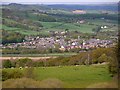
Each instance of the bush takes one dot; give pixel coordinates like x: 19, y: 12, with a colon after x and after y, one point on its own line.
x: 38, y: 64
x: 103, y: 58
x: 7, y: 64
x: 24, y: 62
x: 5, y: 75
x: 11, y: 74
x: 94, y: 61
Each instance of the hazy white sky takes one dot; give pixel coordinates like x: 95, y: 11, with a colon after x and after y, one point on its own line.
x: 46, y: 1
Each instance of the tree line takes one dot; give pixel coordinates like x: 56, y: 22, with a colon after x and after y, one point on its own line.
x: 100, y: 55
x: 11, y: 37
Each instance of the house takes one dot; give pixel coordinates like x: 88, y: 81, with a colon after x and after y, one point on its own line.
x: 104, y: 27
x: 62, y: 48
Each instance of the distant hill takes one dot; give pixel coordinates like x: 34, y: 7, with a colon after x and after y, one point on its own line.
x: 111, y: 7
x: 24, y: 7
x: 29, y: 19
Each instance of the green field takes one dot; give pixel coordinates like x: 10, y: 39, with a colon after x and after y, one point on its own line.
x: 73, y: 76
x: 39, y: 55
x: 111, y: 29
x: 59, y: 26
x: 22, y: 31
x: 62, y: 26
x: 102, y: 22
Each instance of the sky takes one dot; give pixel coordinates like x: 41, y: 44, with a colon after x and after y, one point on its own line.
x: 57, y: 1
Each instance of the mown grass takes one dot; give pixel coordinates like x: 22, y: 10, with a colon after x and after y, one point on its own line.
x: 74, y: 76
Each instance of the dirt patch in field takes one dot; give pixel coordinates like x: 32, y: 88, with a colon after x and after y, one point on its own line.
x: 33, y: 58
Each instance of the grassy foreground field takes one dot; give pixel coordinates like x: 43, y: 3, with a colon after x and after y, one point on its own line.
x: 74, y: 76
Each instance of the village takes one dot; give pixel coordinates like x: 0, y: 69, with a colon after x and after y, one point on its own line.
x: 60, y: 42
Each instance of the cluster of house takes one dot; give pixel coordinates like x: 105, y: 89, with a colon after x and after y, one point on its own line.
x: 59, y: 42
x: 89, y: 44
x: 81, y: 21
x: 93, y: 43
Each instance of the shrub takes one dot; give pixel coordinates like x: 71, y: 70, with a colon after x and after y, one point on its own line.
x: 7, y: 64
x: 5, y: 75
x: 12, y: 74
x: 103, y: 58
x: 38, y: 64
x: 24, y: 62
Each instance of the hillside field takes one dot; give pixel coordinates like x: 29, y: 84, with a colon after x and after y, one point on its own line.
x: 61, y: 26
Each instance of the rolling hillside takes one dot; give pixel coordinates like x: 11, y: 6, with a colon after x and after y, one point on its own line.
x: 40, y: 19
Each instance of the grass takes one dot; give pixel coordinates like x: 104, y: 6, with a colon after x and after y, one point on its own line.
x: 110, y: 29
x: 9, y: 28
x: 74, y: 76
x: 22, y: 31
x: 59, y: 26
x: 102, y: 22
x: 39, y: 55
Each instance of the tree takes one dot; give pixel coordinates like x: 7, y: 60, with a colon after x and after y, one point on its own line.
x: 7, y: 64
x: 113, y: 66
x: 11, y: 37
x: 96, y: 30
x: 103, y: 58
x: 24, y: 62
x: 113, y: 61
